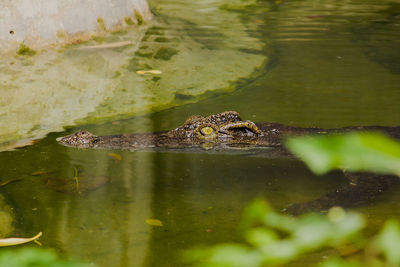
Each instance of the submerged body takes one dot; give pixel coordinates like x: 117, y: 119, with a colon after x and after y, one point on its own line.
x: 227, y: 130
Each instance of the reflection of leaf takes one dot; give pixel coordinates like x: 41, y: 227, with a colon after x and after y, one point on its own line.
x: 154, y: 222
x: 17, y: 241
x: 115, y: 156
x: 354, y: 152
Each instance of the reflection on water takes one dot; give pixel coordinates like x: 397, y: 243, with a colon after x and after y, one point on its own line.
x: 329, y: 67
x: 198, y: 198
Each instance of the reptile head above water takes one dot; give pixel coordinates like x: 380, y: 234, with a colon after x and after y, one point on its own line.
x: 81, y: 139
x: 221, y: 128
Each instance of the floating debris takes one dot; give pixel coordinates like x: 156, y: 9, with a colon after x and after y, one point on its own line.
x: 115, y: 156
x: 154, y: 222
x: 12, y: 241
x: 142, y: 72
x: 41, y: 173
x: 9, y: 181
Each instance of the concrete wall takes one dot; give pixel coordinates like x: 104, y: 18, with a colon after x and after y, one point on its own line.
x: 42, y: 22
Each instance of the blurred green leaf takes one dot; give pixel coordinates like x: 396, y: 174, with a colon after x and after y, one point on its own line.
x: 317, y: 231
x: 29, y: 257
x: 224, y: 255
x: 261, y: 236
x: 349, y: 226
x: 235, y: 255
x: 275, y: 239
x: 355, y: 152
x: 254, y: 213
x: 388, y: 241
x: 281, y: 222
x: 279, y: 252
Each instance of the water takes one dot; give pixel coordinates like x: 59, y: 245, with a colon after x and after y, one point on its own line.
x: 330, y: 64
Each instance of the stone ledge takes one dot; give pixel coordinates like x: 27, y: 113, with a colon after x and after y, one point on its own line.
x: 38, y: 23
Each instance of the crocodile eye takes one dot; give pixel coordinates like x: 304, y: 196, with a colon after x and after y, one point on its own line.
x: 207, y: 130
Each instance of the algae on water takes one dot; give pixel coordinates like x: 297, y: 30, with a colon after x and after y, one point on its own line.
x: 165, y: 53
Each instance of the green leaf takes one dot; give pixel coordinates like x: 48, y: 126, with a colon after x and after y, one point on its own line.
x: 388, y: 241
x: 355, y: 152
x: 261, y: 236
x: 231, y: 255
x: 235, y: 255
x: 254, y: 214
x: 29, y: 257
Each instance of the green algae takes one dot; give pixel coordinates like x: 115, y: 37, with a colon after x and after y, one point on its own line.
x: 129, y: 21
x: 155, y: 78
x: 138, y: 17
x: 99, y: 39
x: 155, y: 31
x: 145, y: 55
x: 165, y: 53
x: 161, y: 40
x: 238, y: 5
x: 25, y: 50
x: 116, y: 75
x: 120, y: 32
x: 101, y: 24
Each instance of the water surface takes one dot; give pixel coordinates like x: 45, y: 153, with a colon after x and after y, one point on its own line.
x: 330, y: 64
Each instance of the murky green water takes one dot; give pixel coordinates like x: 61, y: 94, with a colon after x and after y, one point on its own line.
x: 330, y: 64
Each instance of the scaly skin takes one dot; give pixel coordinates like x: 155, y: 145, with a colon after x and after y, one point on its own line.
x: 227, y: 130
x: 221, y: 130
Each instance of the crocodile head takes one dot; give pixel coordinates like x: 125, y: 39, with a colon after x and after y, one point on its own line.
x: 223, y: 127
x: 226, y: 128
x: 81, y: 139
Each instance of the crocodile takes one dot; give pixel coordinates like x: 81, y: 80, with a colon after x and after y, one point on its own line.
x: 227, y: 130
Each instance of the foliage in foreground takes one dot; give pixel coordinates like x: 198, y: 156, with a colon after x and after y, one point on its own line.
x: 29, y: 257
x: 273, y: 239
x: 354, y: 152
